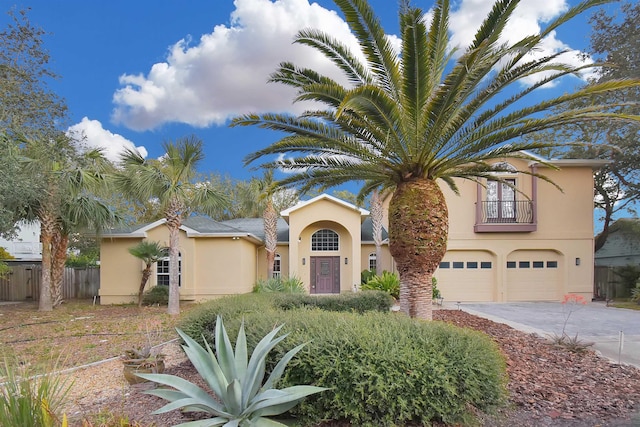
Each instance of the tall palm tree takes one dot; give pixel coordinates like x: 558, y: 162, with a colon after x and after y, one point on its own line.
x: 408, y: 119
x: 170, y: 180
x: 149, y: 253
x: 67, y: 180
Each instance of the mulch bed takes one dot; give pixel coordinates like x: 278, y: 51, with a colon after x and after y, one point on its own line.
x: 548, y: 385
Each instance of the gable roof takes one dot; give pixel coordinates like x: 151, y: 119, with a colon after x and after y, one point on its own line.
x: 285, y: 213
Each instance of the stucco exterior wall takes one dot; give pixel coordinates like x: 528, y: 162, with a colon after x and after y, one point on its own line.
x: 120, y: 271
x: 225, y: 266
x: 306, y: 220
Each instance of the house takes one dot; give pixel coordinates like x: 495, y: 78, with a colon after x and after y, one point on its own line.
x: 521, y: 239
x: 25, y: 246
x: 622, y: 246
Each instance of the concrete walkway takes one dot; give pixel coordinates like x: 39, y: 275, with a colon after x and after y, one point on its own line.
x: 594, y: 322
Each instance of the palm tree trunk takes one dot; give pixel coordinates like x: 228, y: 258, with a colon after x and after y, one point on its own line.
x: 59, y: 244
x: 376, y: 224
x: 270, y: 218
x: 47, y: 227
x: 173, y: 223
x: 418, y: 231
x: 146, y: 273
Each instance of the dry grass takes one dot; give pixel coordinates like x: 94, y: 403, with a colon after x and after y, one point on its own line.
x: 78, y: 332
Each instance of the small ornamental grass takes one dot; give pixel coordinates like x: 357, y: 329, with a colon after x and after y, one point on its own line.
x: 242, y: 396
x: 30, y: 400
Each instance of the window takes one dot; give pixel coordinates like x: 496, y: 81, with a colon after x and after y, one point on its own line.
x: 552, y: 264
x: 277, y: 266
x: 372, y: 262
x: 162, y: 271
x: 485, y: 264
x: 472, y: 264
x: 538, y: 264
x: 325, y: 240
x: 524, y: 264
x: 511, y: 264
x: 501, y: 201
x: 445, y: 264
x: 458, y: 264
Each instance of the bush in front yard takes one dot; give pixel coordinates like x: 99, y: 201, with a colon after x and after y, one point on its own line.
x: 382, y: 368
x: 359, y: 302
x: 158, y: 295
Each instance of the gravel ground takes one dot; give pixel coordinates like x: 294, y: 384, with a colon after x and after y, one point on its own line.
x: 548, y: 386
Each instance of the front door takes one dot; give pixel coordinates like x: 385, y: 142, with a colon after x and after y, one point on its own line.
x: 325, y: 275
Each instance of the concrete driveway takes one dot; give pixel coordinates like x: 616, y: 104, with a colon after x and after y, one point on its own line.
x: 594, y: 322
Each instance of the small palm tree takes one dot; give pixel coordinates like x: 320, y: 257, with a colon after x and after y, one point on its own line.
x: 408, y: 119
x: 149, y: 253
x: 170, y: 180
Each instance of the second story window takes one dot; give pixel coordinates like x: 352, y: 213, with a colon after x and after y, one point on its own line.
x: 325, y: 240
x: 501, y: 200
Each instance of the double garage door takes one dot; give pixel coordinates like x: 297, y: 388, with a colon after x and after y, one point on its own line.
x: 472, y: 276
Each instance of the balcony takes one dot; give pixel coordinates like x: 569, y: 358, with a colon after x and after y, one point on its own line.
x: 507, y: 216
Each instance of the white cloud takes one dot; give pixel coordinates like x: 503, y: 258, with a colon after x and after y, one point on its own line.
x: 91, y: 134
x: 225, y: 72
x: 526, y: 20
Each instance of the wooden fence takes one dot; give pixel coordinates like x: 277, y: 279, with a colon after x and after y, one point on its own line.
x: 23, y: 283
x: 607, y: 284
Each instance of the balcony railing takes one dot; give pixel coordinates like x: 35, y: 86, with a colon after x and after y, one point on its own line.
x: 506, y: 216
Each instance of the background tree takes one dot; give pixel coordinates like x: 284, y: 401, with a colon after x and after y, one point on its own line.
x: 615, y: 39
x: 406, y: 121
x: 149, y: 253
x: 170, y: 180
x: 27, y: 107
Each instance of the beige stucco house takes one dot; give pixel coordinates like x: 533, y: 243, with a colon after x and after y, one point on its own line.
x: 530, y: 244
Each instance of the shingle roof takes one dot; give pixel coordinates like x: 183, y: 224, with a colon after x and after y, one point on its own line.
x: 255, y: 226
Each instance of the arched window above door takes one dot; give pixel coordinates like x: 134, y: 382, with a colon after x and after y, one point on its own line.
x: 325, y: 240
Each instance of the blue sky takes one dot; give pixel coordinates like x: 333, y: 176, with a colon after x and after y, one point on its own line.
x: 137, y: 73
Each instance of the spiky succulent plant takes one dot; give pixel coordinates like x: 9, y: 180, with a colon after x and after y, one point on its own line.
x: 241, y: 397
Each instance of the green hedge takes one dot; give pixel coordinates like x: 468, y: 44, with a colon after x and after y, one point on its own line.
x: 358, y: 302
x: 382, y: 368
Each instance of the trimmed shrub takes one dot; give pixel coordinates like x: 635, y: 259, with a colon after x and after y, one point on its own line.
x: 388, y: 282
x: 358, y: 302
x: 381, y: 368
x: 156, y: 295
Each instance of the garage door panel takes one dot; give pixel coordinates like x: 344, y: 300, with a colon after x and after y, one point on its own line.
x: 467, y: 276
x: 534, y: 276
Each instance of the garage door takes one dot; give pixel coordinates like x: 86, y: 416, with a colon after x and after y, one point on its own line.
x: 467, y: 276
x: 534, y: 276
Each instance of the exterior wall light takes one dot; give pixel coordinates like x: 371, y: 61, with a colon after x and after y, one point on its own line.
x: 577, y: 261
x: 304, y: 261
x: 346, y: 260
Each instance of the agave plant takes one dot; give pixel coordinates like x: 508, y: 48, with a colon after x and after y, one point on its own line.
x: 241, y: 398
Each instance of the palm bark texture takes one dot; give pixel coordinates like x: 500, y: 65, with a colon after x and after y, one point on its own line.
x: 406, y: 119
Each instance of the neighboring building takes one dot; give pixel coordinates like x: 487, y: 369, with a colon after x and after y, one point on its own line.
x: 26, y: 245
x: 622, y: 246
x: 534, y: 243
